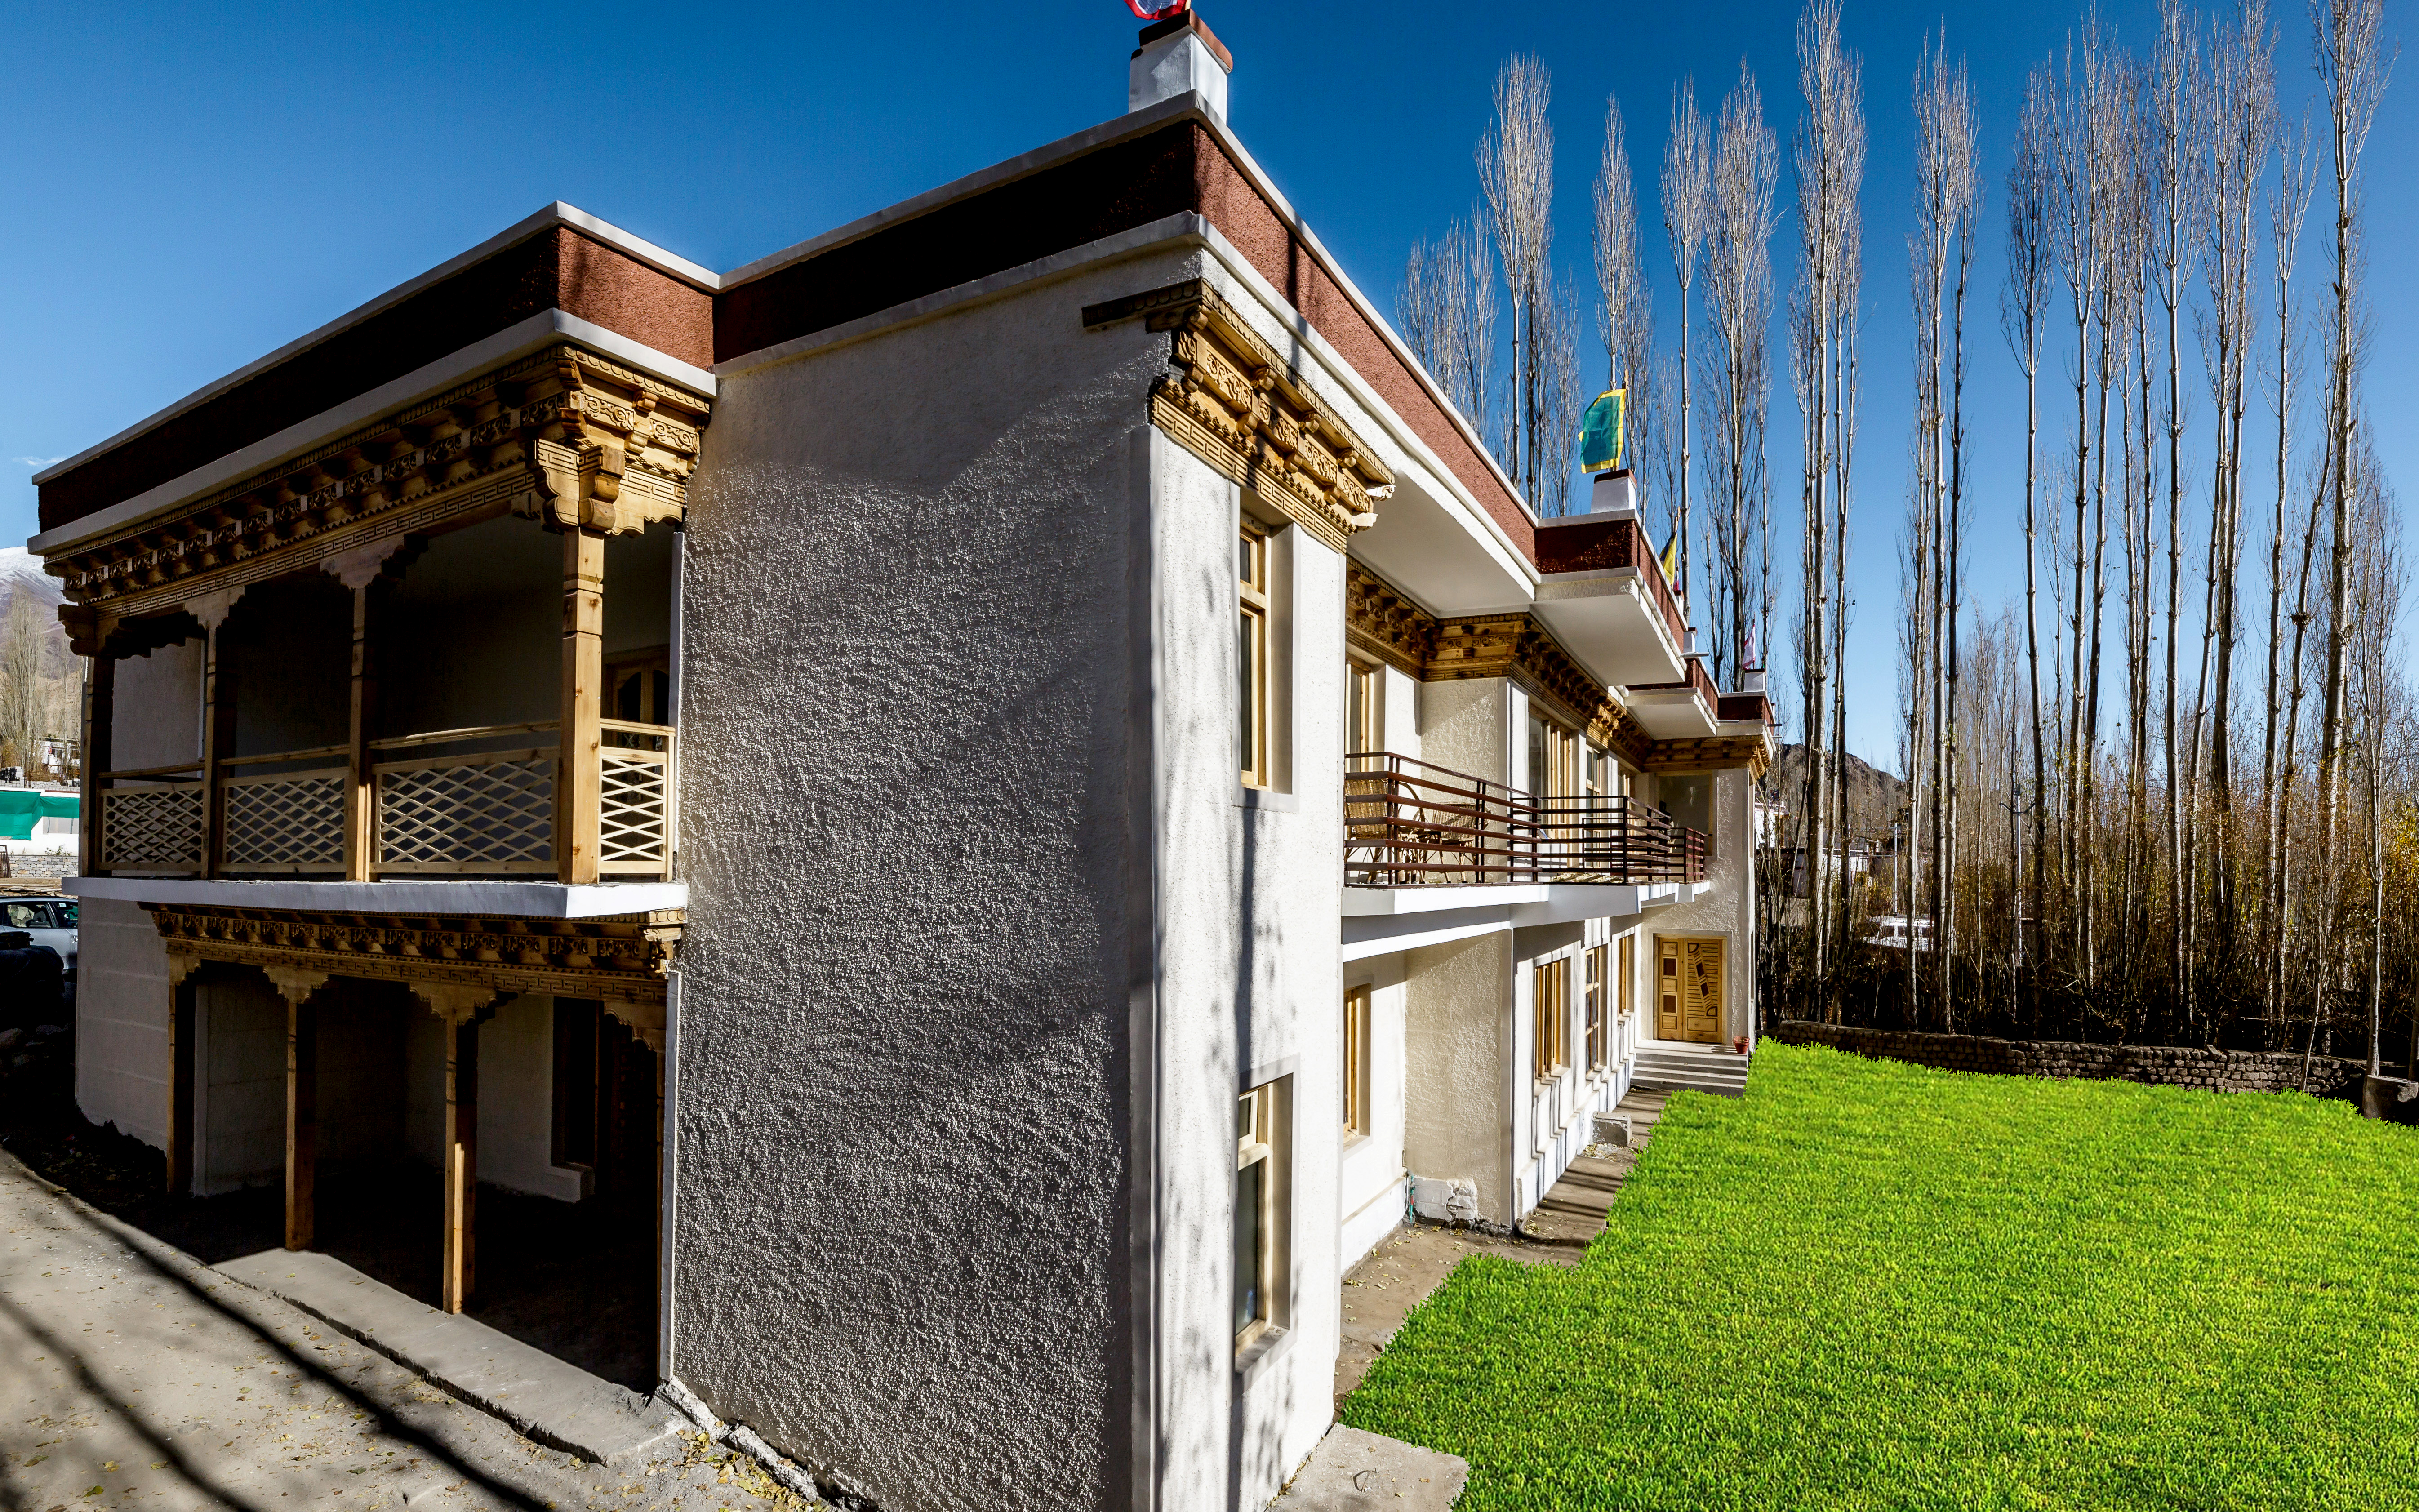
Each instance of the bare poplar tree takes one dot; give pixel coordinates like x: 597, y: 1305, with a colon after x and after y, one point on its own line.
x: 2023, y: 307
x: 1446, y: 309
x: 2241, y: 100
x: 1830, y: 159
x: 2175, y: 129
x: 1940, y: 243
x: 2288, y: 202
x: 2353, y: 63
x: 1625, y: 300
x: 1738, y: 307
x: 1688, y: 214
x: 1516, y: 172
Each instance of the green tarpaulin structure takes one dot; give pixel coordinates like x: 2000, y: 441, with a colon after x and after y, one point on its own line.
x: 20, y: 807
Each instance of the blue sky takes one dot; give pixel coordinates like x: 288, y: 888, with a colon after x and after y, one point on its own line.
x: 194, y: 186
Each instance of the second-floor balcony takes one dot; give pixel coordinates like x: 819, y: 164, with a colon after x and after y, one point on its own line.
x: 488, y: 801
x: 1408, y: 824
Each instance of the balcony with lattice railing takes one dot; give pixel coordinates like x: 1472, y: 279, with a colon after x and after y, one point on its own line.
x: 479, y: 802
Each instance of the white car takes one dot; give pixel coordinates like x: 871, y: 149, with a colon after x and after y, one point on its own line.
x: 51, y: 920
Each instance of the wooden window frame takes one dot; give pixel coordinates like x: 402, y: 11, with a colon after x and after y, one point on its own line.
x: 1252, y: 643
x: 1598, y: 1022
x: 1256, y: 1142
x: 1550, y: 1016
x: 1625, y: 968
x: 1364, y: 685
x: 1357, y: 1123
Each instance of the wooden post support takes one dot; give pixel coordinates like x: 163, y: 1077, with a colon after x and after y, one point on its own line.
x: 458, y: 1004
x: 100, y: 718
x: 181, y: 1072
x: 302, y: 1100
x: 365, y: 571
x: 218, y: 719
x: 577, y: 789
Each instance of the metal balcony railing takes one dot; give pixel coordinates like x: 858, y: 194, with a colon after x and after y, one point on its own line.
x: 1408, y: 824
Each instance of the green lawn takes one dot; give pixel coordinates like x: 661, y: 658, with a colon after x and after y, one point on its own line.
x: 1868, y: 1285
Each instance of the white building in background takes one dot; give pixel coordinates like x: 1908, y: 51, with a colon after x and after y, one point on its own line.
x: 1013, y: 771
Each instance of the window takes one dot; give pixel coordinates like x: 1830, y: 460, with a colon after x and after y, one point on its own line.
x: 1252, y: 704
x: 1356, y: 1061
x: 1552, y: 1012
x: 1255, y: 1171
x: 1365, y: 712
x: 1626, y: 974
x: 1598, y: 1040
x: 1553, y: 758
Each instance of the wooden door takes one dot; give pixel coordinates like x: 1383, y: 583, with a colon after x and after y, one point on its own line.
x: 1702, y: 975
x: 1666, y: 991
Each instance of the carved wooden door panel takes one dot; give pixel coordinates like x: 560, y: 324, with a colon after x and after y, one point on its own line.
x: 1701, y: 974
x: 1666, y: 991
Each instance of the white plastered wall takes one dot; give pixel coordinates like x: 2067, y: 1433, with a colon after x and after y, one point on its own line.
x: 1250, y: 990
x: 1371, y: 1170
x: 1458, y: 1119
x: 238, y: 1081
x: 157, y: 708
x: 516, y: 1101
x: 121, y: 1041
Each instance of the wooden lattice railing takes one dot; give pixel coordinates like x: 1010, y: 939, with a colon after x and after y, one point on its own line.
x: 472, y: 813
x: 471, y: 802
x: 1408, y: 824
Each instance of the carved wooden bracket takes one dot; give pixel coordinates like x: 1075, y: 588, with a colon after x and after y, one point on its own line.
x: 295, y: 984
x: 180, y: 966
x: 646, y: 1021
x: 1239, y: 406
x: 361, y: 566
x: 456, y: 1002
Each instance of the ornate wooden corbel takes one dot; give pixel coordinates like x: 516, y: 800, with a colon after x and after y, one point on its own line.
x: 1232, y: 401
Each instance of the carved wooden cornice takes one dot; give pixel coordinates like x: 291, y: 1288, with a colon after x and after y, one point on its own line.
x: 1383, y: 623
x: 1239, y: 406
x: 563, y: 436
x: 1379, y: 619
x: 623, y: 958
x: 1754, y: 752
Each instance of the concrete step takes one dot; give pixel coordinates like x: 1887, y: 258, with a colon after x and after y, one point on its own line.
x: 1694, y: 1070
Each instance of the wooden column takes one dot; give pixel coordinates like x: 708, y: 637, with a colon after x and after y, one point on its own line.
x: 181, y: 1072
x: 365, y: 571
x: 459, y: 1005
x: 302, y: 1100
x: 577, y: 791
x: 218, y: 719
x: 100, y: 716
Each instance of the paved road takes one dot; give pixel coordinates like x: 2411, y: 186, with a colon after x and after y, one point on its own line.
x: 132, y: 1376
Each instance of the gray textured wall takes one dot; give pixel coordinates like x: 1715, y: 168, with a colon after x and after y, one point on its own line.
x: 902, y: 1114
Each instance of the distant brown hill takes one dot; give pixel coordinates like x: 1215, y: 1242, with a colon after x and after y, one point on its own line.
x: 1875, y: 797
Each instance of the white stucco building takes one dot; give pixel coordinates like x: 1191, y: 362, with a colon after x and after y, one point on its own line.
x: 1013, y: 773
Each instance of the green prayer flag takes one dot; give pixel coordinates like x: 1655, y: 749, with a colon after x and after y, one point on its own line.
x: 1600, y: 433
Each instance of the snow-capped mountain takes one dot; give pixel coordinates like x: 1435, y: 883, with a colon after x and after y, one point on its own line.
x: 21, y: 569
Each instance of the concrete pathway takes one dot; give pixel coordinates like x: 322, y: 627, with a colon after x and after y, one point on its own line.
x: 1355, y: 1472
x: 133, y: 1376
x: 1410, y: 1264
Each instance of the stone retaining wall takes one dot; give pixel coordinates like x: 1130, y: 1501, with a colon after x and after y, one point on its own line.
x: 2220, y: 1070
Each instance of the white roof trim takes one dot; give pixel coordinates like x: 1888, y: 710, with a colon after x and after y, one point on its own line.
x: 514, y: 341
x: 502, y: 900
x: 1133, y: 124
x: 552, y: 215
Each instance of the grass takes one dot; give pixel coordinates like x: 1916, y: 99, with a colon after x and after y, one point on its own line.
x: 1868, y: 1285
